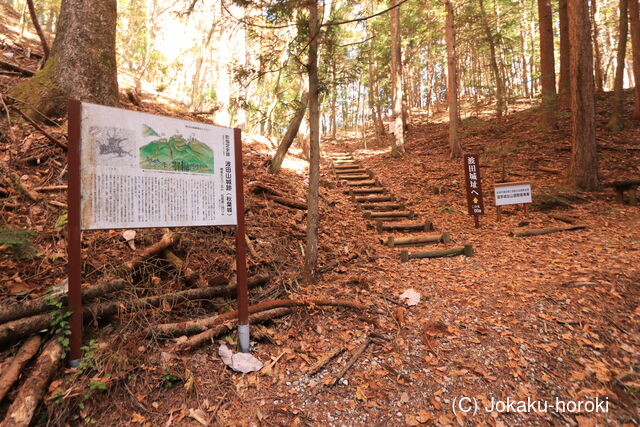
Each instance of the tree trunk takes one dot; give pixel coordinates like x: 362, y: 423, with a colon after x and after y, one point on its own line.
x: 24, y: 406
x: 616, y: 122
x: 452, y: 83
x: 564, y: 83
x: 290, y: 134
x: 397, y: 147
x: 82, y: 63
x: 311, y: 249
x: 583, y: 168
x: 596, y: 48
x: 547, y: 64
x: 494, y: 63
x: 635, y: 44
x: 36, y: 24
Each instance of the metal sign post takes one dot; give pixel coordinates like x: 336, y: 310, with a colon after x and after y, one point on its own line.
x: 137, y: 170
x: 474, y: 187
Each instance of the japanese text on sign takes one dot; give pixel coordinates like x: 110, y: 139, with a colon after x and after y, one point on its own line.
x: 512, y: 193
x: 144, y: 170
x: 473, y: 184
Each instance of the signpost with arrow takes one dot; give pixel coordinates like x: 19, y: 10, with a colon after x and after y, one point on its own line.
x: 474, y: 187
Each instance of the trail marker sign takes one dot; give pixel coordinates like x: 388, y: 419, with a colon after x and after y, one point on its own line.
x: 131, y: 170
x: 474, y: 187
x: 511, y: 193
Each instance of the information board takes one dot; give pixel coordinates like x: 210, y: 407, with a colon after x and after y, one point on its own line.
x: 512, y: 193
x: 143, y: 170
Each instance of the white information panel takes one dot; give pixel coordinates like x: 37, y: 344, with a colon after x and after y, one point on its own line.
x: 512, y: 193
x: 143, y: 170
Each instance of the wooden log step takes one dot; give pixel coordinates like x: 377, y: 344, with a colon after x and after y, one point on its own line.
x: 367, y: 190
x: 374, y: 207
x: 342, y: 167
x: 389, y: 214
x: 363, y: 183
x: 540, y: 231
x: 374, y: 198
x: 341, y: 156
x: 355, y: 176
x: 393, y: 226
x: 417, y: 240
x: 466, y: 250
x: 344, y: 161
x: 353, y: 172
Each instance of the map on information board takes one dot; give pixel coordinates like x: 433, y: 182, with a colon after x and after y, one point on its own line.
x: 144, y: 170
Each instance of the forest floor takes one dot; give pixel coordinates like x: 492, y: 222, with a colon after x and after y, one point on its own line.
x: 539, y: 318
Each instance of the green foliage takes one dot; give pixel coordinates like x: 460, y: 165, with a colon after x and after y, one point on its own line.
x: 59, y: 323
x: 61, y: 222
x: 18, y: 242
x: 168, y: 379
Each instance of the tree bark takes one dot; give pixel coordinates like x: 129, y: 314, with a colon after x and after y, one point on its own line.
x: 455, y: 149
x: 311, y: 249
x: 22, y: 409
x: 597, y: 61
x: 13, y: 370
x: 547, y: 64
x: 583, y: 167
x: 397, y: 147
x: 635, y: 45
x: 564, y: 83
x: 290, y: 134
x: 615, y: 121
x: 82, y: 63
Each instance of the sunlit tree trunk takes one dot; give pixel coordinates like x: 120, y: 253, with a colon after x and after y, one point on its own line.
x: 564, y: 83
x: 311, y: 249
x: 635, y: 44
x: 455, y: 149
x: 290, y: 134
x: 583, y: 168
x: 81, y: 64
x: 396, y: 71
x: 494, y: 63
x: 615, y: 121
x: 547, y: 64
x: 597, y: 60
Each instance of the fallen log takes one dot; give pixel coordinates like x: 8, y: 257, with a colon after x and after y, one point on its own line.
x: 14, y: 67
x: 198, y: 326
x: 316, y: 367
x: 30, y: 308
x: 192, y: 277
x: 14, y: 368
x: 540, y: 231
x: 39, y: 128
x: 289, y: 202
x: 392, y: 226
x: 262, y: 188
x: 389, y: 214
x: 550, y: 170
x: 466, y: 250
x: 374, y: 198
x: 563, y: 218
x: 24, y: 406
x: 168, y: 239
x: 20, y: 328
x: 419, y: 240
x: 225, y: 328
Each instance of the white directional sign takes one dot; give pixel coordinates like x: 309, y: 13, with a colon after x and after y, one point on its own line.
x: 144, y: 170
x: 512, y: 193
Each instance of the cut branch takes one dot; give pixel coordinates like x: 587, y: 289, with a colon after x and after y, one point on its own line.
x: 11, y: 374
x: 540, y: 231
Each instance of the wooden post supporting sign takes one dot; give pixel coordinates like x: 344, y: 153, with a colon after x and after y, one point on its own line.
x: 473, y: 187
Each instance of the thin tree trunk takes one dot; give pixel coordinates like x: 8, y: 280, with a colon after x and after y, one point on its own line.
x: 36, y: 24
x: 615, y: 121
x: 583, y: 168
x: 564, y: 84
x: 290, y: 134
x: 596, y: 47
x: 397, y: 148
x: 547, y: 64
x: 635, y: 45
x: 494, y: 63
x: 311, y: 250
x: 455, y: 148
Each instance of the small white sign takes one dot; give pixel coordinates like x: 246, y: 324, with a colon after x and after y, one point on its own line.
x: 512, y: 193
x: 144, y: 170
